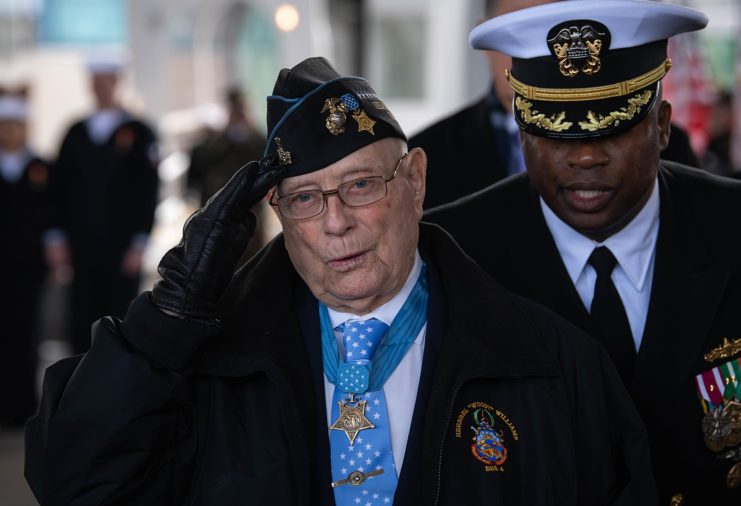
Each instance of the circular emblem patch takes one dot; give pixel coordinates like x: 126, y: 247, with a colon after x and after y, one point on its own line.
x: 488, y: 444
x: 491, y: 433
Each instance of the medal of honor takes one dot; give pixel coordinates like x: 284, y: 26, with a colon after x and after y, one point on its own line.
x: 352, y: 418
x: 365, y: 124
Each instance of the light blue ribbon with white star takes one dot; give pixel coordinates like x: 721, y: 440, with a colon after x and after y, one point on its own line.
x: 404, y: 330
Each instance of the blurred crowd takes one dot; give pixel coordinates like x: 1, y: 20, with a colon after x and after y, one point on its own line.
x: 76, y: 228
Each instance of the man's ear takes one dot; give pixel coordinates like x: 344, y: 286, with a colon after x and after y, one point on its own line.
x: 416, y: 174
x: 664, y: 123
x: 274, y: 208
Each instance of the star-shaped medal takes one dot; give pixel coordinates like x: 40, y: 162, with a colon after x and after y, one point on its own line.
x: 352, y: 418
x: 365, y: 124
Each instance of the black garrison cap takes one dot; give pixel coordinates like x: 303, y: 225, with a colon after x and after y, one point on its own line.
x: 316, y: 117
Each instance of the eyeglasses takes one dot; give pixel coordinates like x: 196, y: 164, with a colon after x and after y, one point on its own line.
x: 356, y: 193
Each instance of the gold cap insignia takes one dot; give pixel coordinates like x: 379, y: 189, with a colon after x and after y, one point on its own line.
x: 338, y: 109
x: 335, y: 121
x: 577, y: 50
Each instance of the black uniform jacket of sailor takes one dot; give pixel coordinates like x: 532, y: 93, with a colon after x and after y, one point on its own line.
x: 106, y: 193
x: 695, y: 303
x: 464, y: 153
x: 162, y: 411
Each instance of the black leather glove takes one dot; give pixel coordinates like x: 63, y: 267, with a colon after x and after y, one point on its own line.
x: 196, y: 272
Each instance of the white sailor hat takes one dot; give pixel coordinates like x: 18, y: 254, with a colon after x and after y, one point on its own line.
x: 104, y: 64
x: 585, y: 68
x: 13, y: 108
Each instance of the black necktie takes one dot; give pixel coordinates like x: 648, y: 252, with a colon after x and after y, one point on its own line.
x: 608, y: 314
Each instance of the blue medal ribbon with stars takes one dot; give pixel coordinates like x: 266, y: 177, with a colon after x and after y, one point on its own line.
x: 357, y: 378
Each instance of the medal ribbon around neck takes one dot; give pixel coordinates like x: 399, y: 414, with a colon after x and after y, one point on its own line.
x: 404, y: 330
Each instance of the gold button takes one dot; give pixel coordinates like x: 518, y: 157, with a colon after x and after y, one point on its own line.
x: 733, y: 479
x: 677, y: 500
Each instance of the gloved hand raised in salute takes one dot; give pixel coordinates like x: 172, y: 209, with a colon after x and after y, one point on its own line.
x: 196, y: 272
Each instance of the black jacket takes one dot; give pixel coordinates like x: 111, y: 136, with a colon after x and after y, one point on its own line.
x: 464, y: 153
x: 161, y: 411
x: 24, y: 215
x: 694, y: 303
x: 25, y: 212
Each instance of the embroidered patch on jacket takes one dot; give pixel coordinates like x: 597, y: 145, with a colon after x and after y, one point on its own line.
x: 489, y: 441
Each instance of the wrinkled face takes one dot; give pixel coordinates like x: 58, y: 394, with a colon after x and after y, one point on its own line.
x: 598, y: 185
x: 355, y: 259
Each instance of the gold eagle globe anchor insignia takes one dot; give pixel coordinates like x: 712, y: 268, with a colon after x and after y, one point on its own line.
x: 577, y: 50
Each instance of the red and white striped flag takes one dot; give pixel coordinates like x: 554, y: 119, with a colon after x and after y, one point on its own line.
x: 689, y: 89
x: 736, y: 128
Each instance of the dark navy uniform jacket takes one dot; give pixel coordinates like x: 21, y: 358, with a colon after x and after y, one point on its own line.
x: 694, y: 304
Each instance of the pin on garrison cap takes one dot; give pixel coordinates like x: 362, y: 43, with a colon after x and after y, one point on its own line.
x: 585, y: 68
x: 317, y: 117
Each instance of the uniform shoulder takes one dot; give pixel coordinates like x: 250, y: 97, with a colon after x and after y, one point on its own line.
x: 709, y: 191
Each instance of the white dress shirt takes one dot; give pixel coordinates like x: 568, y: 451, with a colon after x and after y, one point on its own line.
x: 401, y: 386
x: 634, y: 248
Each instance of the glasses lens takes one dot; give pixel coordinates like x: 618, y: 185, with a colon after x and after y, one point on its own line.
x: 361, y: 192
x: 301, y: 205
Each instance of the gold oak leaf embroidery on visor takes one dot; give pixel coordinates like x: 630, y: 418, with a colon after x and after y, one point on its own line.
x: 555, y: 122
x: 598, y: 122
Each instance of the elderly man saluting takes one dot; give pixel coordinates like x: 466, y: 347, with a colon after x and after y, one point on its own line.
x: 360, y: 358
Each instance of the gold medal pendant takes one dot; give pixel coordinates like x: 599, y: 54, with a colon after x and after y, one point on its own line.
x: 352, y: 418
